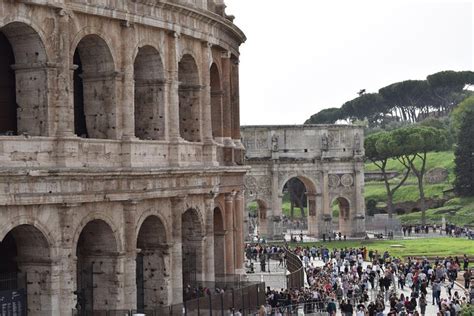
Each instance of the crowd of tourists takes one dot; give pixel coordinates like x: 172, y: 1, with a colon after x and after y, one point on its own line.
x: 448, y: 230
x: 358, y: 281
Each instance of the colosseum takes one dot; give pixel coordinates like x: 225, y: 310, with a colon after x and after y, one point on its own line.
x: 120, y: 155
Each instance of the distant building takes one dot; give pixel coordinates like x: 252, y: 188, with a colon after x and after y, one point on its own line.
x: 121, y: 169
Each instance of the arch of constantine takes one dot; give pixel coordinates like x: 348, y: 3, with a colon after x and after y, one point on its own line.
x: 121, y: 165
x: 328, y: 159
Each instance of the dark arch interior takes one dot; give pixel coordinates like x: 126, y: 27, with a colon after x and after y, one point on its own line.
x: 96, y: 266
x: 189, y: 99
x: 24, y: 255
x: 80, y: 127
x: 8, y: 106
x: 149, y: 94
x: 191, y: 246
x: 152, y: 265
x: 294, y: 193
x: 219, y: 242
x: 343, y: 208
x: 94, y: 84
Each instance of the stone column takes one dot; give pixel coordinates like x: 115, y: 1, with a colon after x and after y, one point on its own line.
x: 274, y: 219
x: 359, y: 227
x: 227, y: 100
x: 130, y: 256
x: 172, y: 105
x: 173, y: 87
x: 238, y: 232
x: 313, y: 220
x: 236, y: 103
x: 64, y: 105
x: 178, y: 205
x: 327, y: 216
x: 229, y: 237
x: 209, y: 272
x: 209, y: 150
x: 128, y: 84
x: 65, y: 270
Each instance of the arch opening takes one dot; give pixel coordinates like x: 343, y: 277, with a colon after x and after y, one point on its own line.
x: 97, y: 265
x: 94, y: 89
x: 189, y: 99
x: 341, y: 212
x: 219, y: 242
x: 23, y: 81
x: 26, y: 256
x: 192, y: 248
x: 149, y: 94
x: 216, y: 103
x: 152, y: 265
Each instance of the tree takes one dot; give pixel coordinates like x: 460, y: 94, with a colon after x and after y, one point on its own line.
x: 326, y: 116
x: 417, y: 141
x: 458, y: 113
x: 370, y: 106
x: 448, y: 88
x: 379, y: 149
x: 464, y: 156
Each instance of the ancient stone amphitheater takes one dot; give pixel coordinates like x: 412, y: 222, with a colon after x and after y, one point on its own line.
x: 120, y: 153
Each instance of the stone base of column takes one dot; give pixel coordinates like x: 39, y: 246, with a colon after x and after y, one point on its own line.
x: 209, y: 153
x: 68, y: 152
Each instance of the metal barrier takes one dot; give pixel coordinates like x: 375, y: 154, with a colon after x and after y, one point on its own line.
x: 294, y: 265
x: 247, y: 298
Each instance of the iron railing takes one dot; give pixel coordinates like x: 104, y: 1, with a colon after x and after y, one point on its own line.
x: 245, y: 297
x: 295, y: 279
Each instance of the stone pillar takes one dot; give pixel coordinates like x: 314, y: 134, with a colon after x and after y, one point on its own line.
x: 209, y: 150
x: 209, y: 271
x: 238, y: 232
x: 178, y: 205
x: 64, y: 105
x: 235, y: 103
x: 65, y: 270
x: 313, y: 220
x: 327, y: 216
x: 227, y: 100
x: 128, y: 84
x: 229, y: 237
x: 173, y: 87
x: 274, y: 221
x: 130, y: 256
x: 359, y: 207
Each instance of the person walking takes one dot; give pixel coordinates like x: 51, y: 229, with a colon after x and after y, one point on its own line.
x: 467, y: 278
x: 422, y: 303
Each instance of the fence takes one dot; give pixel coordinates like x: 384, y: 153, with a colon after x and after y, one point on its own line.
x: 243, y: 296
x: 295, y: 279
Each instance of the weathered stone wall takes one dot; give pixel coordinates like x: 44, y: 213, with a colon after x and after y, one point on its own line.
x: 328, y: 159
x: 110, y: 165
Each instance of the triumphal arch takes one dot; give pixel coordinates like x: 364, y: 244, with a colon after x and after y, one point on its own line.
x: 121, y: 164
x: 328, y: 159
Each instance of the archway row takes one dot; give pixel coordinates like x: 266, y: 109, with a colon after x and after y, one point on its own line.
x: 23, y: 87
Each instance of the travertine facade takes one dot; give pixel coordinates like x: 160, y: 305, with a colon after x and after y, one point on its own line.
x: 328, y: 159
x: 121, y: 170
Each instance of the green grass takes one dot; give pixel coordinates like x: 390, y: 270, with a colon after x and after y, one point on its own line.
x: 415, y: 247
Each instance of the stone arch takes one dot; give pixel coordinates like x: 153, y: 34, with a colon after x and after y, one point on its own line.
x: 216, y: 102
x: 95, y: 114
x: 97, y: 252
x: 192, y: 246
x: 153, y: 264
x: 345, y: 214
x: 219, y: 241
x: 23, y: 81
x: 258, y: 220
x: 309, y: 183
x: 149, y: 94
x: 145, y: 215
x: 26, y: 255
x: 189, y: 99
x: 101, y: 217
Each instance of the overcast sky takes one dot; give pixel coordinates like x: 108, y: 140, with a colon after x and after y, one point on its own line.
x: 302, y: 56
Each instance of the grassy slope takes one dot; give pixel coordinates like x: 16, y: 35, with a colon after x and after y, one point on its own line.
x: 458, y: 211
x: 415, y: 247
